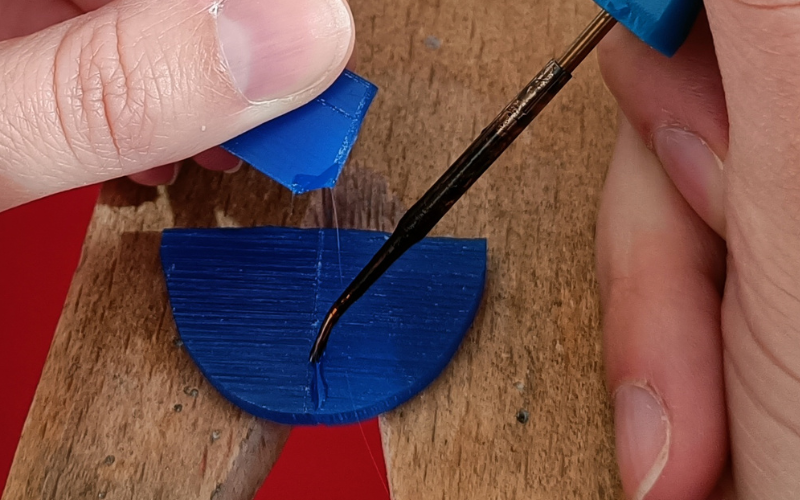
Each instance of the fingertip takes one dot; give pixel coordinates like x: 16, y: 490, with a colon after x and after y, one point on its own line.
x: 642, y: 436
x: 235, y: 169
x: 696, y: 171
x: 666, y: 99
x: 279, y: 49
x: 352, y: 64
x: 164, y: 175
x: 655, y: 91
x: 218, y: 160
x: 658, y: 266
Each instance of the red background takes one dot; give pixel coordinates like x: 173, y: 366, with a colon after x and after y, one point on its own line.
x: 39, y: 248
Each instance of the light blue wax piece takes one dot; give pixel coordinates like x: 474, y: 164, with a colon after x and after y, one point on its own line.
x: 306, y: 149
x: 662, y: 24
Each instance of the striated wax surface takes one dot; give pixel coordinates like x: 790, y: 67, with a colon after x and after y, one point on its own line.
x: 248, y: 304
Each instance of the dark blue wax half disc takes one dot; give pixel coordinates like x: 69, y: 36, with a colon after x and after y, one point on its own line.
x: 248, y: 304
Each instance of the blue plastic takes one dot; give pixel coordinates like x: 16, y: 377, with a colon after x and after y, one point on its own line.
x: 248, y: 302
x: 306, y: 149
x: 662, y: 24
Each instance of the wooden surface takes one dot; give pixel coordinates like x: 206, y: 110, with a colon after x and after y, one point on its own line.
x: 122, y: 413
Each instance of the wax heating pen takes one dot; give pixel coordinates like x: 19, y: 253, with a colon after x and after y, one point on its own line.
x: 662, y: 24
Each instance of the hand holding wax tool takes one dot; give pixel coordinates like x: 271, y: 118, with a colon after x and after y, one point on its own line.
x: 662, y: 24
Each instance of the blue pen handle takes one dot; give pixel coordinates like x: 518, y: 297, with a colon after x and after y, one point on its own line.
x: 662, y: 24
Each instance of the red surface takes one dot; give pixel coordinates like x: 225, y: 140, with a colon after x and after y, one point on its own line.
x: 39, y: 248
x: 322, y: 463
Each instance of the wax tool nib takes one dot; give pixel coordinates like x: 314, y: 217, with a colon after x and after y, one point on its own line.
x: 322, y: 338
x: 481, y: 154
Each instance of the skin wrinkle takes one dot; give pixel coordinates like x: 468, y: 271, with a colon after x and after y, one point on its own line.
x: 114, y: 104
x: 643, y: 274
x: 747, y: 454
x: 746, y: 310
x: 771, y: 355
x: 768, y: 345
x: 59, y: 106
x: 161, y: 87
x: 91, y: 84
x: 74, y: 91
x: 760, y: 271
x: 121, y: 71
x: 126, y: 128
x: 769, y: 4
x: 162, y: 83
x: 49, y: 118
x: 150, y: 81
x: 762, y: 347
x: 166, y: 82
x: 752, y: 394
x: 760, y: 198
x: 764, y: 270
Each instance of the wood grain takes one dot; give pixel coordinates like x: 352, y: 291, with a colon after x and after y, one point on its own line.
x: 536, y: 346
x: 114, y: 376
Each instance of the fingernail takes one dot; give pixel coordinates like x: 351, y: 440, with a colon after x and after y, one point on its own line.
x: 682, y: 148
x: 218, y: 160
x: 279, y: 48
x: 176, y: 173
x: 642, y: 433
x: 234, y: 169
x: 691, y: 164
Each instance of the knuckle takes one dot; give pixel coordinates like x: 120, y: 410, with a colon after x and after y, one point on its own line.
x: 104, y: 85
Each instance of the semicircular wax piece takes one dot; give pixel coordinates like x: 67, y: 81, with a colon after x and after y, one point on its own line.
x: 306, y: 149
x: 248, y: 304
x: 662, y: 24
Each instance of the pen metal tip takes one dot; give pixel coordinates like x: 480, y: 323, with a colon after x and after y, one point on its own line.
x: 322, y: 337
x: 462, y: 174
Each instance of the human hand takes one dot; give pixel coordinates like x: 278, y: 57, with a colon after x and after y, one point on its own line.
x: 132, y: 87
x: 703, y: 343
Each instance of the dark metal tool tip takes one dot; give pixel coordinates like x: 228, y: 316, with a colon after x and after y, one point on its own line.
x: 324, y: 333
x: 426, y: 213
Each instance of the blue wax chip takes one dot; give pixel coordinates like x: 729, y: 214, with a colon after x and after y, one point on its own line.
x: 307, y: 148
x: 662, y: 24
x: 248, y: 305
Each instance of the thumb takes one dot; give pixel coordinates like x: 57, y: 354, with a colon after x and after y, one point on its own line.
x: 142, y: 83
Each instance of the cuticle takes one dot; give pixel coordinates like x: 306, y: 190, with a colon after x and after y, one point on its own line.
x: 644, y: 384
